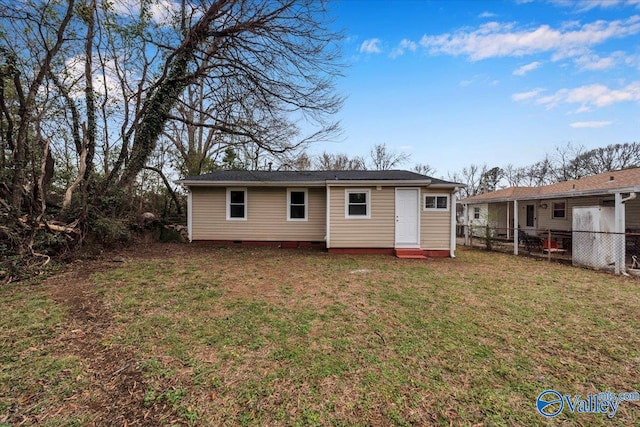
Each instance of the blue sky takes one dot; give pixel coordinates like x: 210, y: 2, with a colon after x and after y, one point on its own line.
x: 496, y: 82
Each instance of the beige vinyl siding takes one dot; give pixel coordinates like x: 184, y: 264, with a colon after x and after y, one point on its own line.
x: 435, y: 226
x: 266, y: 216
x: 546, y: 221
x: 375, y: 232
x: 545, y: 216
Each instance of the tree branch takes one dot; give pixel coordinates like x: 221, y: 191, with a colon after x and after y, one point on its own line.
x: 168, y: 185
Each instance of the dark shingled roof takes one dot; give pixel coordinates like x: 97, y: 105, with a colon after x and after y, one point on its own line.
x: 312, y: 176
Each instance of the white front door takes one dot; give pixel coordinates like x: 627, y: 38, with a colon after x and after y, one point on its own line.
x: 407, y: 217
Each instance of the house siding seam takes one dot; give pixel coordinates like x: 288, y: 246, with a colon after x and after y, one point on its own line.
x: 266, y: 216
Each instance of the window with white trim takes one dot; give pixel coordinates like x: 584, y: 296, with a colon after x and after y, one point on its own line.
x: 236, y: 204
x: 476, y: 213
x: 357, y: 203
x: 559, y: 210
x: 436, y: 202
x: 297, y: 204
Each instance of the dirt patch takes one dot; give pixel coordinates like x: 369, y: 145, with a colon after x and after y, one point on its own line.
x: 115, y: 389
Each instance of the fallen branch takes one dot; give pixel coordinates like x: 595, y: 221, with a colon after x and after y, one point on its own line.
x: 69, y: 229
x: 121, y: 370
x: 48, y: 258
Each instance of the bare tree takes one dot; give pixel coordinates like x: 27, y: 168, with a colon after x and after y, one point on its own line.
x: 471, y: 176
x: 340, y: 161
x: 27, y: 84
x: 611, y: 157
x: 299, y: 162
x: 542, y: 172
x: 565, y: 166
x: 96, y: 92
x: 424, y: 169
x: 225, y: 44
x: 384, y: 158
x: 514, y: 176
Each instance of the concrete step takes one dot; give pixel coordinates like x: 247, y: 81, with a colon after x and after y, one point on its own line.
x: 410, y: 253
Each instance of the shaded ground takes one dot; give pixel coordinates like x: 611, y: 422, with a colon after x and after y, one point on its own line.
x: 168, y: 334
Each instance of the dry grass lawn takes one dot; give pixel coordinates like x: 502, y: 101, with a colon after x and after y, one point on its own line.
x: 194, y: 335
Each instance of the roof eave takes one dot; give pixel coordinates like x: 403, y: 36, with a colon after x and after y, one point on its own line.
x: 560, y: 195
x: 634, y: 189
x: 577, y: 193
x: 447, y: 185
x: 382, y: 182
x: 203, y: 183
x: 323, y: 183
x: 478, y: 202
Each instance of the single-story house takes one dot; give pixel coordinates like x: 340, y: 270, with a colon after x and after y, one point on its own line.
x: 342, y: 211
x: 551, y: 207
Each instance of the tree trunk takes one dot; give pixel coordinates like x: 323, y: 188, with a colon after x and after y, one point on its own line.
x: 90, y: 139
x: 26, y: 109
x: 156, y: 108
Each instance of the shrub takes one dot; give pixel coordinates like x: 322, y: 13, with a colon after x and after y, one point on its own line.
x: 109, y: 231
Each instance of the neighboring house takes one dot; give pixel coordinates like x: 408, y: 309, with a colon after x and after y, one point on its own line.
x: 534, y: 210
x: 343, y: 211
x: 551, y: 206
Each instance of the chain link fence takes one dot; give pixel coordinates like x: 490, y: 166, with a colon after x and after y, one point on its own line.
x: 617, y: 252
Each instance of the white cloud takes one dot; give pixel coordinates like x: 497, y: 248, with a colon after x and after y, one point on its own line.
x: 523, y: 96
x: 632, y: 61
x: 370, y: 46
x: 405, y: 44
x: 586, y: 5
x: 587, y: 97
x: 161, y: 11
x: 465, y: 83
x: 593, y: 62
x: 104, y: 79
x: 594, y: 124
x: 494, y: 39
x: 526, y: 68
x: 487, y: 14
